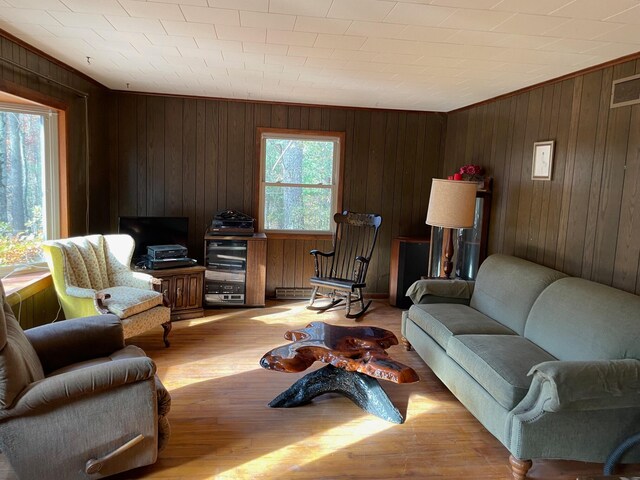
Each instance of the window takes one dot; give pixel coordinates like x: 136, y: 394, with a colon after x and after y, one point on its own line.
x: 299, y: 180
x: 29, y: 182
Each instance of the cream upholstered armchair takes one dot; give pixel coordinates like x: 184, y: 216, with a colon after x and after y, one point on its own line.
x: 92, y: 275
x: 75, y: 402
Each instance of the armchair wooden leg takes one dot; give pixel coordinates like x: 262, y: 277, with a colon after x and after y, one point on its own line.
x: 406, y: 344
x: 519, y: 468
x: 167, y: 328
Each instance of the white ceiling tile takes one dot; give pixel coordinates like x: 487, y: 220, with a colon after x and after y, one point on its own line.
x: 253, y: 5
x: 525, y: 24
x: 346, y: 42
x: 297, y: 51
x: 317, y: 62
x: 387, y: 45
x: 315, y: 8
x: 250, y: 47
x: 241, y: 57
x: 613, y: 50
x: 162, y: 11
x: 217, y: 16
x: 214, y: 55
x: 476, y: 19
x: 130, y: 24
x: 275, y: 21
x: 395, y: 58
x: 86, y: 20
x: 405, y: 70
x: 171, y: 40
x: 303, y: 39
x: 241, y: 34
x: 374, y: 10
x: 524, y: 41
x: 414, y: 14
x: 583, y: 29
x: 483, y: 4
x: 353, y: 55
x: 474, y: 37
x: 156, y: 50
x: 573, y: 46
x: 200, y: 3
x: 626, y: 33
x: 426, y: 34
x: 321, y: 25
x: 539, y: 7
x: 39, y: 4
x: 374, y: 29
x: 115, y: 36
x: 594, y: 9
x: 284, y: 60
x: 191, y: 62
x: 27, y: 16
x: 72, y: 32
x: 102, y: 7
x: 629, y: 16
x: 207, y: 43
x: 188, y: 29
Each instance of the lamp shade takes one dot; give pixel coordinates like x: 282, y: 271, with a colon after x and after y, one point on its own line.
x: 452, y: 203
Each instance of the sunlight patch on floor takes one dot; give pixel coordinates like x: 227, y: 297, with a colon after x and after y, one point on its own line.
x: 310, y: 449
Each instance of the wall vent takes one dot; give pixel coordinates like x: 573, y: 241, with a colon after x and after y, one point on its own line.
x: 625, y: 91
x: 292, y: 293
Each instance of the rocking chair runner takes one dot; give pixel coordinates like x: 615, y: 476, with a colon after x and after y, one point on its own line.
x: 344, y: 270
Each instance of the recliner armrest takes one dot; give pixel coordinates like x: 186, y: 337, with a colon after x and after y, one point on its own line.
x: 71, y: 385
x: 587, y: 385
x: 71, y: 341
x: 437, y: 290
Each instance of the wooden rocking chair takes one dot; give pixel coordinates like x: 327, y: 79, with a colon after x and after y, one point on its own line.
x: 344, y: 270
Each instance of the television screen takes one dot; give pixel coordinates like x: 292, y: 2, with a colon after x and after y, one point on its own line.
x: 154, y: 231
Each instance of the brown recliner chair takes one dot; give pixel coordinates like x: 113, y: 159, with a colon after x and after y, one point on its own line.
x: 75, y: 402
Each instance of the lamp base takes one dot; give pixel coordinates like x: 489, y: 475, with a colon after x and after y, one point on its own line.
x: 448, y: 253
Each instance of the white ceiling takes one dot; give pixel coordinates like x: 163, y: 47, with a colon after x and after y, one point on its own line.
x: 412, y: 54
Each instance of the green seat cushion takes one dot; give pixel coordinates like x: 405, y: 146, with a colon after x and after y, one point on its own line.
x: 443, y: 320
x: 499, y: 363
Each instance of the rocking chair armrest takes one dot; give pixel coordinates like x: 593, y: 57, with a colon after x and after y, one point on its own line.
x: 324, y: 254
x: 362, y: 259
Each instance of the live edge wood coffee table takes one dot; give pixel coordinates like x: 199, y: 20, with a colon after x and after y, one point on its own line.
x: 356, y: 358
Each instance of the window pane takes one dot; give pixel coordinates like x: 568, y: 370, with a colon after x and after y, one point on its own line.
x: 21, y: 187
x: 299, y: 161
x: 297, y: 208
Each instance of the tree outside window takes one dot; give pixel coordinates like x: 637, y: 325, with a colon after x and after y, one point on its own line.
x: 25, y: 186
x: 300, y: 180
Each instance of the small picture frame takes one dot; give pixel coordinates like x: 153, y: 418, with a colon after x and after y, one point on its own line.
x: 542, y: 160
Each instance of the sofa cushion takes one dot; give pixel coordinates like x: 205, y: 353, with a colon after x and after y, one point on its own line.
x: 575, y: 319
x: 441, y: 321
x: 19, y: 362
x: 128, y: 301
x: 506, y: 288
x: 499, y: 363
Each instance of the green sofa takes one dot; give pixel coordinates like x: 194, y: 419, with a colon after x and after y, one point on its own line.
x: 549, y: 364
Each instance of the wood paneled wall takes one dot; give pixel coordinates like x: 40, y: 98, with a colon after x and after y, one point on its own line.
x: 87, y: 189
x: 585, y: 221
x: 38, y: 309
x: 184, y: 156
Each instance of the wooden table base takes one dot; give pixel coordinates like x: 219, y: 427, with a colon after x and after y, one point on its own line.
x: 363, y: 390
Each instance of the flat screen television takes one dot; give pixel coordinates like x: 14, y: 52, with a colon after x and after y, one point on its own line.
x: 154, y: 231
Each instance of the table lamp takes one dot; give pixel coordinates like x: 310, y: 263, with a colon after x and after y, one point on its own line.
x: 452, y: 205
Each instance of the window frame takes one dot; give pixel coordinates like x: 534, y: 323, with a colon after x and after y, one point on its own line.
x: 54, y: 186
x: 336, y: 189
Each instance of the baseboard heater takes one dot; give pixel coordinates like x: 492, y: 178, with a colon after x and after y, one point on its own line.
x: 293, y: 293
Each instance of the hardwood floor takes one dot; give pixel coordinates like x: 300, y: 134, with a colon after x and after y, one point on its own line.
x: 223, y: 429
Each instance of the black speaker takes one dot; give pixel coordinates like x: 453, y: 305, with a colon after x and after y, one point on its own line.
x: 409, y: 262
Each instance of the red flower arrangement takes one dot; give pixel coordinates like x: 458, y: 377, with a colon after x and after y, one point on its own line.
x: 471, y: 172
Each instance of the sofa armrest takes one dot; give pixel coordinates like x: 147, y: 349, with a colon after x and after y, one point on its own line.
x: 441, y: 290
x: 588, y: 385
x: 71, y: 341
x: 68, y: 386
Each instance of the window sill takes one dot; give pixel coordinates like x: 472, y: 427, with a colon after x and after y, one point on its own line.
x: 19, y: 287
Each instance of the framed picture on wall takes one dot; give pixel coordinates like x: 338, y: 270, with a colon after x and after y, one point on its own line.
x: 542, y: 160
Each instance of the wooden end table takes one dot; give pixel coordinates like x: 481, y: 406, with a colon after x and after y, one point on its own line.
x: 356, y: 358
